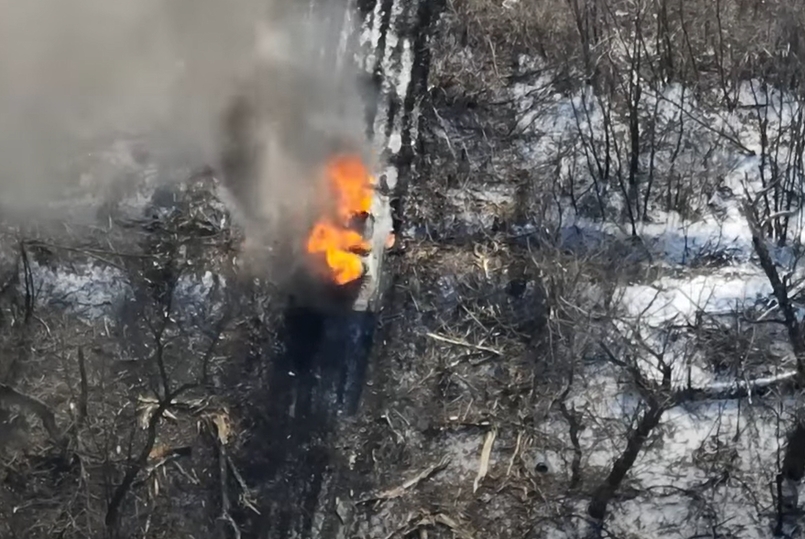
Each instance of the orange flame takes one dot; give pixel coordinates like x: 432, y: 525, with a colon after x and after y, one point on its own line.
x: 350, y: 187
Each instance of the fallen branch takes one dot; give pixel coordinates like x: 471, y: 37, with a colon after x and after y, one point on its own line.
x: 396, y: 492
x: 88, y: 250
x: 29, y: 283
x: 779, y: 289
x: 486, y: 452
x: 604, y: 493
x: 246, y: 493
x: 163, y: 458
x: 432, y: 520
x: 738, y: 389
x: 575, y: 427
x: 219, y: 427
x: 119, y: 494
x: 226, y: 505
x: 465, y: 344
x: 515, y: 454
x: 83, y: 396
x: 793, y: 467
x: 12, y: 397
x: 90, y: 253
x: 221, y: 430
x: 788, y: 482
x: 657, y: 398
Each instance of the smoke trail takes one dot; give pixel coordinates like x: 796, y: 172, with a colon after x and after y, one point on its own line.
x: 249, y: 86
x: 297, y: 106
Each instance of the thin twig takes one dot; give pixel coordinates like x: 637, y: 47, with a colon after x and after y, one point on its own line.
x: 398, y: 491
x: 465, y: 344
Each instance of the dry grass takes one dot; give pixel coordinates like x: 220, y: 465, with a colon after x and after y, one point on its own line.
x: 706, y: 44
x: 458, y: 369
x: 480, y: 340
x: 482, y: 41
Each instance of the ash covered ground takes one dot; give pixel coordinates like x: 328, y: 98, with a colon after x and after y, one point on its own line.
x: 591, y: 329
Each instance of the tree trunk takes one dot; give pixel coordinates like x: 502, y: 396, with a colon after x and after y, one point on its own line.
x: 788, y: 481
x: 637, y: 438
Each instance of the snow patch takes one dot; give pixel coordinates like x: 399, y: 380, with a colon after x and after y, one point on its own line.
x: 90, y: 290
x: 679, y: 299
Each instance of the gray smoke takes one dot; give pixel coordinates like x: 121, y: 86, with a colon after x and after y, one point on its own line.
x: 257, y: 89
x: 299, y: 105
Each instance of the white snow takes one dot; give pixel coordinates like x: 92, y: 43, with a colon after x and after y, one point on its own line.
x: 95, y: 290
x: 370, y: 36
x: 679, y: 299
x: 406, y: 68
x: 195, y: 294
x: 89, y: 290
